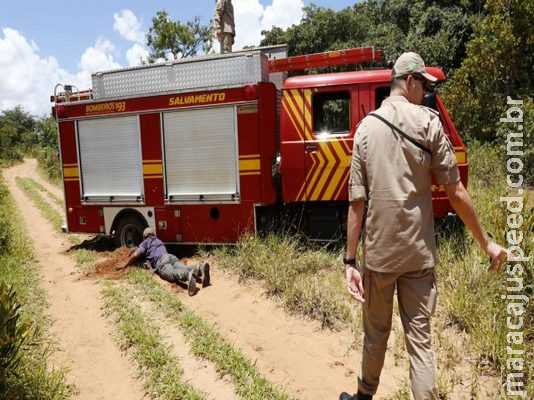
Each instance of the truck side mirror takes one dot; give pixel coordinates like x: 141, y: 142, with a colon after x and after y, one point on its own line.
x: 430, y: 100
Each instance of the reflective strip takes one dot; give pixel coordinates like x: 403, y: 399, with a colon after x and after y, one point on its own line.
x: 249, y: 165
x: 152, y: 169
x: 460, y: 157
x: 71, y: 172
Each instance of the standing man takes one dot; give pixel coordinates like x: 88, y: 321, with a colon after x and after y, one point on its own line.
x: 224, y: 24
x: 167, y: 265
x: 395, y: 152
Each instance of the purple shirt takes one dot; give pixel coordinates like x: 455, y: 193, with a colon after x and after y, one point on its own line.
x: 152, y: 248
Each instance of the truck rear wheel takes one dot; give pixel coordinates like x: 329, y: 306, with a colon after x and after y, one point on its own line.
x: 129, y: 232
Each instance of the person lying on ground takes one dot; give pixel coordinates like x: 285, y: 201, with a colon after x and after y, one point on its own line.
x: 166, y: 265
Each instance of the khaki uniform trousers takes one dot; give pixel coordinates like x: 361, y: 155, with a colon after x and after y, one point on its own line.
x: 416, y: 295
x: 226, y: 40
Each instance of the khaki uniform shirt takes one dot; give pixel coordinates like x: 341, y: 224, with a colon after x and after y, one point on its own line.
x: 224, y: 17
x: 394, y: 177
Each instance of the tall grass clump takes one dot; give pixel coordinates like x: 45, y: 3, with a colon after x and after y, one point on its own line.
x: 309, y: 281
x: 470, y: 294
x: 23, y: 317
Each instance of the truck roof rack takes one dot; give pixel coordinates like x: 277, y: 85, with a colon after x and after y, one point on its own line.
x: 213, y: 71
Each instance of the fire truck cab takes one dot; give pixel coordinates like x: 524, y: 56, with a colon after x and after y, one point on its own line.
x: 207, y: 149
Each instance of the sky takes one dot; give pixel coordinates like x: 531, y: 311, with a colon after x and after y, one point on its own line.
x: 44, y: 43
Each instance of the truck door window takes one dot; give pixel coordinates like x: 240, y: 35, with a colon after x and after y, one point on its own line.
x: 331, y: 112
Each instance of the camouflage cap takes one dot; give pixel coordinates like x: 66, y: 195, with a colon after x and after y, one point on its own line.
x: 411, y: 63
x: 148, y: 231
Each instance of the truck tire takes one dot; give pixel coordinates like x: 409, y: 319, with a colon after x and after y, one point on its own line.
x: 129, y: 232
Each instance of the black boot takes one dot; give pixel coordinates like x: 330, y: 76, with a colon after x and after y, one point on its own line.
x: 205, y: 274
x: 191, y: 282
x: 357, y: 396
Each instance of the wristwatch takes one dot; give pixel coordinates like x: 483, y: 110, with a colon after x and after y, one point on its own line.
x: 349, y: 261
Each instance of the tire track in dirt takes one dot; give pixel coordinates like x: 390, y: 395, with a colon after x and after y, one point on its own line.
x: 306, y: 361
x: 198, y: 372
x: 96, y: 365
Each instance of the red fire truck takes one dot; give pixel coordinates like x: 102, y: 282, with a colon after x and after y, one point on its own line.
x: 206, y: 149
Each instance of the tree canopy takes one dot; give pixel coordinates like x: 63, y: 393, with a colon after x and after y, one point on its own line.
x: 437, y: 31
x: 168, y: 39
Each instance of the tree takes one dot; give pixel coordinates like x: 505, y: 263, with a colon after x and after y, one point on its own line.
x: 499, y: 63
x: 168, y: 39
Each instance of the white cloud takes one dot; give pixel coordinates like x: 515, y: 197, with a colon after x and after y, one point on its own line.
x: 129, y: 26
x: 29, y: 80
x: 251, y: 17
x: 25, y: 78
x: 99, y: 57
x: 135, y: 54
x: 282, y: 13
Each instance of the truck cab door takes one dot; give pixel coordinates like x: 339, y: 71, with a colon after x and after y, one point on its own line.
x: 331, y: 115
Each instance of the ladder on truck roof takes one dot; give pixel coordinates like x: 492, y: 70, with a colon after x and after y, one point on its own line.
x: 358, y: 55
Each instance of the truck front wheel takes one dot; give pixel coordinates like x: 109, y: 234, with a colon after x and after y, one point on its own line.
x: 129, y: 232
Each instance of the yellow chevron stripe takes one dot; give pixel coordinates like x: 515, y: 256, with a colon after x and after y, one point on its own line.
x: 308, y: 125
x: 334, y: 181
x: 296, y: 125
x: 152, y: 169
x: 250, y: 173
x: 151, y: 161
x: 245, y: 156
x: 245, y: 165
x: 319, y: 175
x: 71, y: 179
x: 317, y: 170
x: 153, y: 176
x: 71, y: 172
x: 70, y: 165
x: 297, y: 120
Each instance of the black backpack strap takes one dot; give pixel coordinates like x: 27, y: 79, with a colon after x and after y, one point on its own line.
x: 400, y: 132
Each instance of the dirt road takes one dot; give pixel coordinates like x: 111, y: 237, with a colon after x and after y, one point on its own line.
x: 307, y: 362
x: 97, y: 367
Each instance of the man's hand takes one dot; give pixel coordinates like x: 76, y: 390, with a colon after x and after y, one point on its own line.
x: 497, y: 254
x: 354, y: 283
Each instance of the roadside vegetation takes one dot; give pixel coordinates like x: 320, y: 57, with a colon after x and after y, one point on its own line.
x: 24, y: 341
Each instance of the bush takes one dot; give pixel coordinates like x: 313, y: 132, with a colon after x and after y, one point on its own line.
x: 14, y: 332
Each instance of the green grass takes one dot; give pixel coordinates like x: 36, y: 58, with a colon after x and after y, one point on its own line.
x: 28, y: 187
x: 40, y: 188
x: 140, y: 336
x: 85, y: 259
x: 34, y: 379
x: 207, y: 343
x: 309, y: 282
